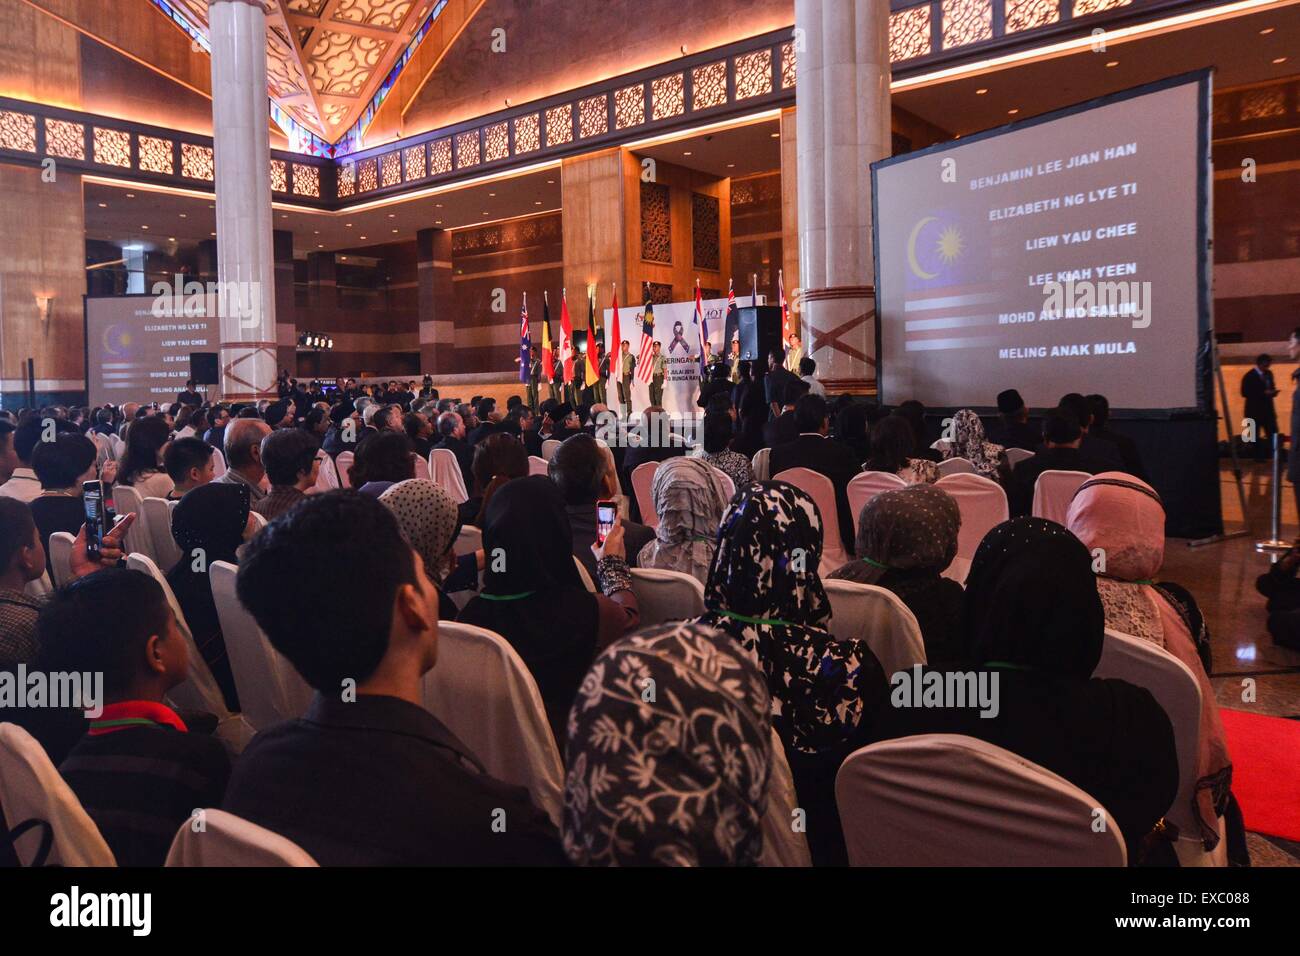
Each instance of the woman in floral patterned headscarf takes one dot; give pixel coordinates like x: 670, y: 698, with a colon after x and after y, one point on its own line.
x: 988, y: 459
x: 669, y: 754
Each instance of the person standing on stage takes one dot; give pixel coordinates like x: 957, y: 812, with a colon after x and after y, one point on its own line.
x: 627, y: 365
x: 794, y: 353
x: 733, y: 360
x: 658, y: 372
x: 602, y: 373
x: 1258, y: 389
x: 534, y: 377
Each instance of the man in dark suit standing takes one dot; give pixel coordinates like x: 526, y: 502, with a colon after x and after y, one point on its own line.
x: 783, y: 428
x: 1258, y: 389
x: 812, y: 449
x: 777, y: 379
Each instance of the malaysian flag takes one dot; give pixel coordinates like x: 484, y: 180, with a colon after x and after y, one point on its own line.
x: 951, y: 292
x: 647, y: 340
x: 525, y: 359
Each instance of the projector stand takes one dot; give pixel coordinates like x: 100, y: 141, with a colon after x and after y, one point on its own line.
x: 1236, y: 464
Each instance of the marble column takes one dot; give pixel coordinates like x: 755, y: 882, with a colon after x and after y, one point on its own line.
x: 245, y: 254
x: 843, y: 125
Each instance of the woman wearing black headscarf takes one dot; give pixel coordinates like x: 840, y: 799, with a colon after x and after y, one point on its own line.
x: 209, y: 524
x: 533, y: 597
x: 1033, y: 620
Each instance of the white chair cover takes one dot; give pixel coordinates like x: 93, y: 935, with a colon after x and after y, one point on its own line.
x: 158, y: 519
x: 862, y: 488
x: 664, y: 595
x: 218, y: 462
x: 759, y: 464
x: 1176, y: 690
x: 421, y: 467
x: 728, y: 485
x: 270, y: 690
x: 538, y: 466
x: 259, y: 520
x: 126, y: 500
x: 343, y: 465
x: 643, y: 479
x: 483, y: 692
x: 327, y: 479
x: 983, y: 505
x: 32, y: 790
x: 823, y: 493
x: 956, y: 466
x: 1053, y: 492
x: 878, y: 616
x: 782, y: 844
x: 39, y: 588
x: 958, y: 570
x: 587, y: 582
x: 1016, y: 455
x: 949, y: 800
x: 61, y: 543
x: 549, y: 448
x: 445, y: 470
x: 200, y: 691
x: 470, y: 539
x: 228, y: 840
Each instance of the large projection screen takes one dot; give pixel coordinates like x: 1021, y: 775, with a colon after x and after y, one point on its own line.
x: 138, y: 346
x: 1064, y: 254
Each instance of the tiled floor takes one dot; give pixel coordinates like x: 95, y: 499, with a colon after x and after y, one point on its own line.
x: 1222, y: 577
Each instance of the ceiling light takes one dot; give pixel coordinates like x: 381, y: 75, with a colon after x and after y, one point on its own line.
x: 776, y: 135
x: 1012, y: 112
x: 185, y: 215
x: 212, y: 233
x: 538, y: 203
x: 731, y: 165
x: 394, y: 232
x: 392, y: 215
x: 103, y: 205
x: 144, y: 227
x: 1113, y: 63
x: 687, y: 153
x: 349, y: 225
x: 981, y: 91
x: 318, y: 246
x: 171, y: 238
x: 130, y: 195
x: 437, y: 222
x: 493, y: 195
x: 550, y: 182
x: 1266, y: 31
x: 363, y: 237
x: 1279, y: 59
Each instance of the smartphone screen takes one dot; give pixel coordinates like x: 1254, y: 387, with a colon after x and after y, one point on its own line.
x: 606, y: 512
x: 96, y: 526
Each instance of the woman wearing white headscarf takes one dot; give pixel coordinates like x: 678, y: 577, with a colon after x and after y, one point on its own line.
x: 689, y: 498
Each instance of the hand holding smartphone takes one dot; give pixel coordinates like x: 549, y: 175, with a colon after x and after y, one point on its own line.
x: 606, y: 515
x: 92, y: 496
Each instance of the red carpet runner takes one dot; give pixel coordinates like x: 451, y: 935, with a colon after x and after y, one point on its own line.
x: 1266, y: 771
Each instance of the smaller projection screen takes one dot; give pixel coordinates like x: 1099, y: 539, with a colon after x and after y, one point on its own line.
x: 1064, y: 254
x: 138, y: 346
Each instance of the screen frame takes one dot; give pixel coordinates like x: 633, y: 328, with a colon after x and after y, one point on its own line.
x: 1203, y: 79
x: 85, y: 330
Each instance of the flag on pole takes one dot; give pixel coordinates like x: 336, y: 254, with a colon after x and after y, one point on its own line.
x: 566, y: 337
x: 731, y: 327
x: 548, y: 357
x: 753, y: 297
x: 615, y: 343
x: 593, y: 336
x: 647, y: 339
x: 525, y: 343
x: 785, y: 312
x: 703, y: 325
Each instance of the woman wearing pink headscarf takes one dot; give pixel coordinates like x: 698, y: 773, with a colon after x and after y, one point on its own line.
x: 1124, y: 518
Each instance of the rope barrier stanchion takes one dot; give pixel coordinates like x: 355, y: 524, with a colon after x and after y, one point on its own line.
x: 1275, y: 546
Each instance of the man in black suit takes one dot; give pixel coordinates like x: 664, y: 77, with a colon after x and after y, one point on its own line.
x: 777, y: 380
x: 452, y: 429
x: 812, y: 449
x: 783, y: 428
x: 1014, y: 430
x: 489, y: 421
x: 1096, y: 449
x: 1060, y: 451
x: 1128, y: 449
x: 368, y: 776
x: 1259, y: 389
x: 584, y: 476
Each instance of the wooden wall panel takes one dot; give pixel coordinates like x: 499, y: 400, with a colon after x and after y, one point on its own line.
x: 595, y: 211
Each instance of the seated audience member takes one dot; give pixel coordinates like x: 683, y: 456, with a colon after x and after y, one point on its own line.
x: 1102, y: 451
x: 430, y: 522
x: 1014, y: 430
x: 812, y: 449
x: 892, y: 442
x: 452, y: 429
x: 655, y: 440
x: 988, y: 459
x: 372, y: 779
x: 8, y: 457
x: 1033, y: 618
x: 783, y: 427
x: 62, y: 465
x: 342, y: 433
x: 717, y: 384
x: 382, y: 460
x: 719, y: 435
x: 420, y: 432
x: 808, y: 375
x: 689, y: 499
x: 280, y: 414
x: 765, y: 593
x: 188, y: 462
x: 1124, y: 517
x: 752, y: 408
x: 489, y: 420
x: 138, y: 772
x: 216, y: 433
x: 1059, y: 452
x: 701, y: 806
x: 534, y: 598
x: 22, y: 560
x: 914, y: 413
x: 1100, y: 428
x: 141, y: 466
x: 583, y: 470
x: 497, y: 459
x: 906, y: 540
x: 244, y: 456
x: 209, y: 524
x: 292, y: 466
x: 851, y: 430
